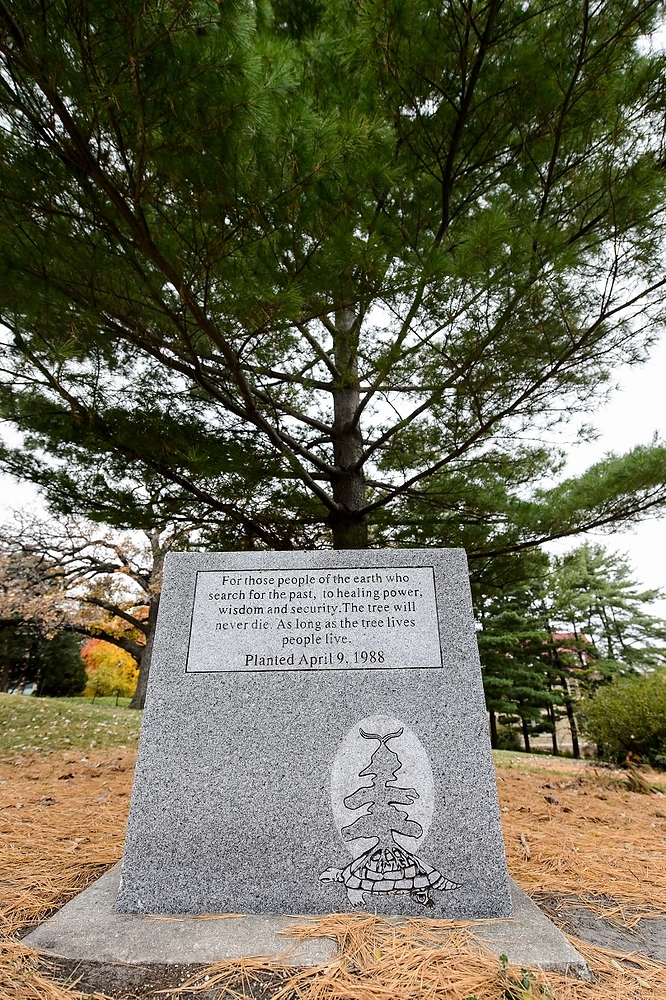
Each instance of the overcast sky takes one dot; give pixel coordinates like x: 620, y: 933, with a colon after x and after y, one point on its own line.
x: 634, y: 413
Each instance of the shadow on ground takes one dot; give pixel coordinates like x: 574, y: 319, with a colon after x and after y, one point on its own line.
x: 574, y: 917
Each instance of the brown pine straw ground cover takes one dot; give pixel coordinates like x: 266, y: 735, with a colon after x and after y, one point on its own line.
x: 62, y: 819
x: 597, y: 840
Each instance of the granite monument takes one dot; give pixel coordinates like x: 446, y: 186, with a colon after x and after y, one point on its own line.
x: 315, y: 740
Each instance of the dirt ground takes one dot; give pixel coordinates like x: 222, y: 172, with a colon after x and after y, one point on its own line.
x: 591, y: 852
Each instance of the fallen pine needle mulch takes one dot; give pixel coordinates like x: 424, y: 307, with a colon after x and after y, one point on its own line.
x: 22, y: 979
x: 380, y: 960
x: 587, y: 836
x: 424, y: 960
x: 62, y: 821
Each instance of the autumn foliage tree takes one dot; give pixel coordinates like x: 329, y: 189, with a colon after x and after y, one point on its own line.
x: 74, y: 576
x: 110, y: 670
x: 34, y: 617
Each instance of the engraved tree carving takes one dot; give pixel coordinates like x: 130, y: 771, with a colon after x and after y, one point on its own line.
x: 382, y: 819
x: 387, y: 866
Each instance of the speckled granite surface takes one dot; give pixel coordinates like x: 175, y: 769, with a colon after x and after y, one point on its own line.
x: 339, y: 785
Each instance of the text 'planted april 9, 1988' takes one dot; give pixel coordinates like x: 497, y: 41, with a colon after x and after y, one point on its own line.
x: 310, y: 619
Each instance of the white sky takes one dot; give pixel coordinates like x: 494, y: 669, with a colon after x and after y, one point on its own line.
x: 631, y: 417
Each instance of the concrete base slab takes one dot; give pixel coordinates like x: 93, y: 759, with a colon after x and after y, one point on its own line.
x: 88, y: 930
x: 646, y: 937
x: 529, y: 938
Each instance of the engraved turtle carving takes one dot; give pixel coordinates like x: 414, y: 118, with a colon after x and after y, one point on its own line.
x: 387, y: 866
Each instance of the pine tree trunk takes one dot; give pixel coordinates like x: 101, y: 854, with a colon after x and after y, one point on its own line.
x: 494, y: 738
x: 139, y: 697
x: 526, y: 736
x: 573, y: 725
x: 553, y: 722
x: 349, y: 527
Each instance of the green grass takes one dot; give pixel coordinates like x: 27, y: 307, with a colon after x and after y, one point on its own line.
x: 518, y: 758
x: 512, y: 758
x: 48, y: 724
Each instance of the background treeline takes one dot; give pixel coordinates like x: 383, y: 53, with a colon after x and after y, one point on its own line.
x: 63, y: 665
x: 51, y: 666
x: 569, y: 648
x: 550, y: 642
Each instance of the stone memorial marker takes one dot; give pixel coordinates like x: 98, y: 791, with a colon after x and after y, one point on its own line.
x: 315, y: 740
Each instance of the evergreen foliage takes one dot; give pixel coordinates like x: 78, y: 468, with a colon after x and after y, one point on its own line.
x: 593, y: 597
x: 61, y: 671
x: 16, y: 646
x: 561, y: 628
x: 513, y: 645
x: 52, y: 664
x: 326, y: 270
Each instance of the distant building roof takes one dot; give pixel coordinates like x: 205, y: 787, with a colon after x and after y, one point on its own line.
x: 571, y: 644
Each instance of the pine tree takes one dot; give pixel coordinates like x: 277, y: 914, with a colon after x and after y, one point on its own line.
x: 52, y: 664
x: 514, y: 644
x: 375, y: 247
x: 555, y: 627
x: 595, y: 598
x: 60, y: 670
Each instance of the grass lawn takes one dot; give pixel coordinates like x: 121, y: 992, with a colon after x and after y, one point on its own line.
x: 44, y: 725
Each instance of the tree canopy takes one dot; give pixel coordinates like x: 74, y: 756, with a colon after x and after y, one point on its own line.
x: 594, y: 597
x: 67, y: 575
x: 329, y: 270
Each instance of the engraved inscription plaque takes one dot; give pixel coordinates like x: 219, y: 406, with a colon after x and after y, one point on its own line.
x: 315, y: 619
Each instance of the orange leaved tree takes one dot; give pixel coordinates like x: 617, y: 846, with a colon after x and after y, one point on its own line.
x: 111, y: 670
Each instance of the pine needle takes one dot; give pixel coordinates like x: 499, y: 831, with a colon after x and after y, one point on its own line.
x: 58, y: 834
x: 599, y: 841
x: 68, y: 830
x: 425, y: 960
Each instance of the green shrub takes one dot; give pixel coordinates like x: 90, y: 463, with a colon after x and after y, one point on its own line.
x: 628, y: 717
x: 508, y: 738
